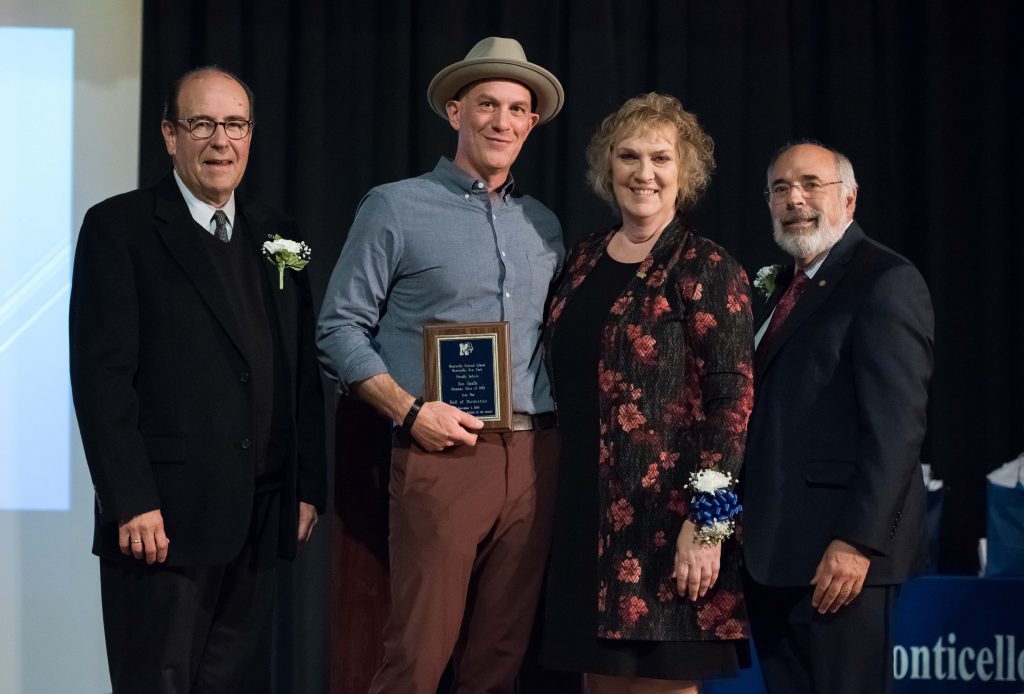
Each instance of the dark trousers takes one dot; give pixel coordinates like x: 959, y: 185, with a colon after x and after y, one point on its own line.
x: 469, y: 535
x: 194, y: 630
x: 803, y: 652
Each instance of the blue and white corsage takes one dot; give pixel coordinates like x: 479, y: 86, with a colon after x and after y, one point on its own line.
x: 713, y: 506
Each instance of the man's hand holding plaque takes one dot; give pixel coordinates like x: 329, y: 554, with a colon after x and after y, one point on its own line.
x: 439, y: 425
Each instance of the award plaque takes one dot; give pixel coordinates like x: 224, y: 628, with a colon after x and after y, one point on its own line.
x: 467, y: 365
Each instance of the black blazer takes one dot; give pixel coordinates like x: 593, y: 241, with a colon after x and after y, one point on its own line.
x: 160, y: 382
x: 839, y: 418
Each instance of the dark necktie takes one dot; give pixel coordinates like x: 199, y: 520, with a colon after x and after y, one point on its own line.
x: 782, y: 310
x: 221, y: 220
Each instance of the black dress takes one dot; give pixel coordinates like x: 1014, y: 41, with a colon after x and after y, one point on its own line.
x: 570, y: 629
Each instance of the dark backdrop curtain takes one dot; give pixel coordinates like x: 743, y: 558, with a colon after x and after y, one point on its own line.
x: 924, y: 97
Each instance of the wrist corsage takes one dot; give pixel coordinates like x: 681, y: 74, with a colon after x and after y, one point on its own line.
x: 713, y: 506
x: 286, y: 254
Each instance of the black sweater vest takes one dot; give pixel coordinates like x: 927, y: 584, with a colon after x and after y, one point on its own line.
x: 246, y: 286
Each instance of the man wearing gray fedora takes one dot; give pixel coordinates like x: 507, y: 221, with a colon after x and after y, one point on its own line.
x: 470, y: 511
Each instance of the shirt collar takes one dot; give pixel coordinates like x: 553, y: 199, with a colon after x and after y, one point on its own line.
x: 464, y: 182
x: 201, y: 211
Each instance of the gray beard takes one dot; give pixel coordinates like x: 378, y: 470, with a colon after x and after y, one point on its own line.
x: 807, y: 245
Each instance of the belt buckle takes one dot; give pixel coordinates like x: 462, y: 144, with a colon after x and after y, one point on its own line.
x: 522, y: 422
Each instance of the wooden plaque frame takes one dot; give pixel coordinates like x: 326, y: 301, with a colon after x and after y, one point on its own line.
x: 498, y: 417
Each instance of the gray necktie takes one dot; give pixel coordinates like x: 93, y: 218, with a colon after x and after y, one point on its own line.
x: 221, y: 220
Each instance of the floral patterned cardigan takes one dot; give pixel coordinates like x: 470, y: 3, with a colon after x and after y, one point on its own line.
x: 675, y: 388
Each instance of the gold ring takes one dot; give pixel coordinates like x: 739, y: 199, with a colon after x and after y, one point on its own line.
x: 136, y: 542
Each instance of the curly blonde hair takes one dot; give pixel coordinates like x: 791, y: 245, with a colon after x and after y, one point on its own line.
x: 638, y: 116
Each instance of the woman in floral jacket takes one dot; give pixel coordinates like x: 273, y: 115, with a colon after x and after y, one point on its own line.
x: 649, y: 346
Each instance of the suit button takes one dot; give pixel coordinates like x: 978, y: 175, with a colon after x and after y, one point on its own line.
x: 246, y: 443
x: 244, y: 377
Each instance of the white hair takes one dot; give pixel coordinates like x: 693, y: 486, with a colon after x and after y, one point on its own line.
x: 844, y: 169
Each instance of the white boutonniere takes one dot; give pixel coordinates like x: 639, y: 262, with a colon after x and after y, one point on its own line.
x: 764, y: 280
x: 285, y: 253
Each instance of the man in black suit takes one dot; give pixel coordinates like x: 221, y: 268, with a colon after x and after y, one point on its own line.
x: 199, y: 401
x: 833, y: 494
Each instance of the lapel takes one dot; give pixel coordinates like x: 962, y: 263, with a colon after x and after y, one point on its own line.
x: 782, y: 280
x: 589, y: 253
x: 181, y: 236
x: 276, y: 301
x: 820, y: 288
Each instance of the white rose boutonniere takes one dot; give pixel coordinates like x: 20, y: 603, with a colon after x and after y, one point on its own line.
x: 285, y: 253
x: 764, y: 280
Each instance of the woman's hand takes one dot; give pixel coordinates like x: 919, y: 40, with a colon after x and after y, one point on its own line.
x: 696, y: 563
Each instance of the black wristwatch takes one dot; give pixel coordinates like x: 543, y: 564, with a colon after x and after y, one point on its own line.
x: 412, y: 414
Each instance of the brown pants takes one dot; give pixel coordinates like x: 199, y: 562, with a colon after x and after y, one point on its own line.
x: 470, y: 531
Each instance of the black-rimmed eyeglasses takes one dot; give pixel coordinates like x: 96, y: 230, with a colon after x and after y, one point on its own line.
x: 204, y: 128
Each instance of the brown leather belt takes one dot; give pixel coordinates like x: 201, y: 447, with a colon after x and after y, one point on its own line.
x: 529, y: 422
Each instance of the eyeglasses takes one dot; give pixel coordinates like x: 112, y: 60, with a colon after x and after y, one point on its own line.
x: 809, y: 189
x: 203, y: 128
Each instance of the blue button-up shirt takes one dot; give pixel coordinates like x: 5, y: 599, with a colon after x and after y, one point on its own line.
x: 432, y: 249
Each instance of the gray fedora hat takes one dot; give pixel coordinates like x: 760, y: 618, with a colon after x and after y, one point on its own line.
x: 496, y: 58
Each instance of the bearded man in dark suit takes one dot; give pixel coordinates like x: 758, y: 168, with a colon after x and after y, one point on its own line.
x: 199, y: 401
x: 834, y: 499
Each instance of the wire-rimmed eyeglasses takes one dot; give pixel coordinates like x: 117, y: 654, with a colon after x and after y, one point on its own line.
x: 809, y: 189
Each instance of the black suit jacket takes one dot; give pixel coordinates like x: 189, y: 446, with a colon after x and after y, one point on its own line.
x: 161, y: 383
x: 838, y: 420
